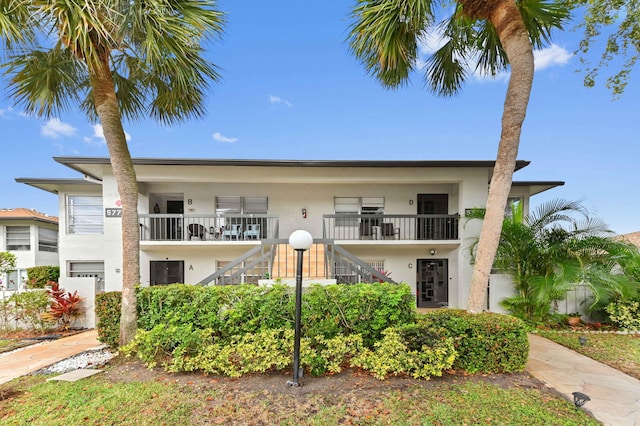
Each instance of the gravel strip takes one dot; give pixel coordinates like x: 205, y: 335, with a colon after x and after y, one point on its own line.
x: 90, y: 359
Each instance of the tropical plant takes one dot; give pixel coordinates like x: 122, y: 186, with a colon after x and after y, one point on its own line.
x: 64, y: 306
x: 113, y: 59
x: 385, y: 37
x: 553, y: 249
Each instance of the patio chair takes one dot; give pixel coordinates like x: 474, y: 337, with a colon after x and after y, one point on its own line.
x: 232, y: 232
x: 387, y: 230
x: 253, y: 232
x: 366, y: 230
x: 196, y: 230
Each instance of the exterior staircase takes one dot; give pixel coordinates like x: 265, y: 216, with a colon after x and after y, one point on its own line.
x: 313, y: 267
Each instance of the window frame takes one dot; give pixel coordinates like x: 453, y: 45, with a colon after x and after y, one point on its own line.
x: 93, y: 221
x: 15, y: 237
x: 48, y: 243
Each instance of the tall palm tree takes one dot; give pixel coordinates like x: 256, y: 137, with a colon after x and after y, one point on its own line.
x: 492, y: 33
x: 113, y: 59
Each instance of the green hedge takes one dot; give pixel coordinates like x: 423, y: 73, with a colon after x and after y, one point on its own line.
x: 328, y: 311
x: 39, y: 276
x: 108, y: 313
x: 486, y: 343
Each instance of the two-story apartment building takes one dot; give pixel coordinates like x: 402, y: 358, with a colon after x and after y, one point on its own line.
x: 227, y: 221
x: 32, y: 237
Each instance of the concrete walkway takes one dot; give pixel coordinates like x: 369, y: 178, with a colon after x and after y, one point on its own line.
x: 26, y: 360
x: 615, y: 396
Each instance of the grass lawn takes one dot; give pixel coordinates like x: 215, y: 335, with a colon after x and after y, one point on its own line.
x: 620, y: 351
x: 127, y: 395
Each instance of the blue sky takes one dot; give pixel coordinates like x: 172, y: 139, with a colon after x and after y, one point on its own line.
x: 291, y: 90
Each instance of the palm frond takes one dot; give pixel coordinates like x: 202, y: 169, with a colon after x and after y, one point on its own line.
x: 46, y: 83
x: 384, y: 37
x: 541, y: 17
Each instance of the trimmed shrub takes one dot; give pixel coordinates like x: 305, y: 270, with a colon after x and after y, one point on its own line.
x: 364, y: 309
x: 249, y: 353
x: 327, y: 311
x: 625, y: 315
x: 39, y: 276
x: 486, y: 343
x: 411, y: 349
x: 108, y: 307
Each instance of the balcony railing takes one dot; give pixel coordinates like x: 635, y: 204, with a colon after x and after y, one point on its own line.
x: 187, y: 227
x: 391, y: 227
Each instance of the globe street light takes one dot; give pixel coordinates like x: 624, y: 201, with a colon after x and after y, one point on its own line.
x: 299, y: 241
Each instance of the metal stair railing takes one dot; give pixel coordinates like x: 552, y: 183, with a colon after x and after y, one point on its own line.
x: 352, y: 268
x: 220, y: 273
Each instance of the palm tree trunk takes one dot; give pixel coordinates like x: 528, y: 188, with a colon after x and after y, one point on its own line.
x: 506, y: 18
x: 125, y: 175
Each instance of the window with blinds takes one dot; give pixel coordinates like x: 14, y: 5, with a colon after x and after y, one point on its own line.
x: 18, y: 238
x: 47, y: 240
x: 84, y: 214
x: 230, y: 204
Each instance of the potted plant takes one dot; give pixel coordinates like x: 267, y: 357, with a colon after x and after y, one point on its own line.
x: 573, y: 319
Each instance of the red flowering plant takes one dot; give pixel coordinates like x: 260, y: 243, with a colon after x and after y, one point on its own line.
x: 383, y: 275
x: 65, y: 306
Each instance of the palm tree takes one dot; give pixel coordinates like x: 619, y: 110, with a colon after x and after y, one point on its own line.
x: 385, y: 37
x: 556, y: 247
x: 113, y: 59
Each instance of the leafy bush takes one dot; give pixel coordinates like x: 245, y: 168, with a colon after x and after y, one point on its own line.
x: 64, y: 306
x: 625, y: 314
x: 249, y: 353
x: 365, y: 309
x: 108, y: 306
x: 401, y: 352
x: 321, y: 355
x: 486, y: 343
x: 40, y: 276
x: 29, y: 307
x: 168, y: 344
x: 327, y: 311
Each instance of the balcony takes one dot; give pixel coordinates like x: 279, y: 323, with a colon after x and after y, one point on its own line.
x: 187, y: 227
x: 427, y: 227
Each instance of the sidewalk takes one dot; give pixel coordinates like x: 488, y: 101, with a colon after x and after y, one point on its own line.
x: 615, y: 396
x: 32, y: 358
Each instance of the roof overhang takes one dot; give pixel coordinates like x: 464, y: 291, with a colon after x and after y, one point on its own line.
x: 94, y: 166
x: 52, y: 185
x: 536, y: 187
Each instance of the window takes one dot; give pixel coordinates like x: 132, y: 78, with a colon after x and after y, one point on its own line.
x: 16, y: 280
x: 47, y: 240
x: 88, y: 269
x: 241, y: 205
x: 84, y: 214
x: 18, y: 238
x: 349, y: 207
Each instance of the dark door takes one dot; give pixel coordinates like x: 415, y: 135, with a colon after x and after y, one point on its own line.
x: 434, y: 204
x: 166, y: 272
x: 432, y: 283
x: 174, y: 225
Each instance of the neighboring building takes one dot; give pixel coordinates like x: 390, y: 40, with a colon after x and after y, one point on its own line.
x: 32, y: 237
x: 228, y: 221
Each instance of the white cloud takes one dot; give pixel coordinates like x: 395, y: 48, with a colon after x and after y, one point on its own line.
x: 98, y: 136
x: 550, y: 56
x: 4, y: 112
x: 54, y: 128
x: 273, y: 100
x: 222, y: 138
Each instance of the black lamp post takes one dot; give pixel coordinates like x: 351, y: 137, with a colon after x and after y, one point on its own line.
x: 300, y: 241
